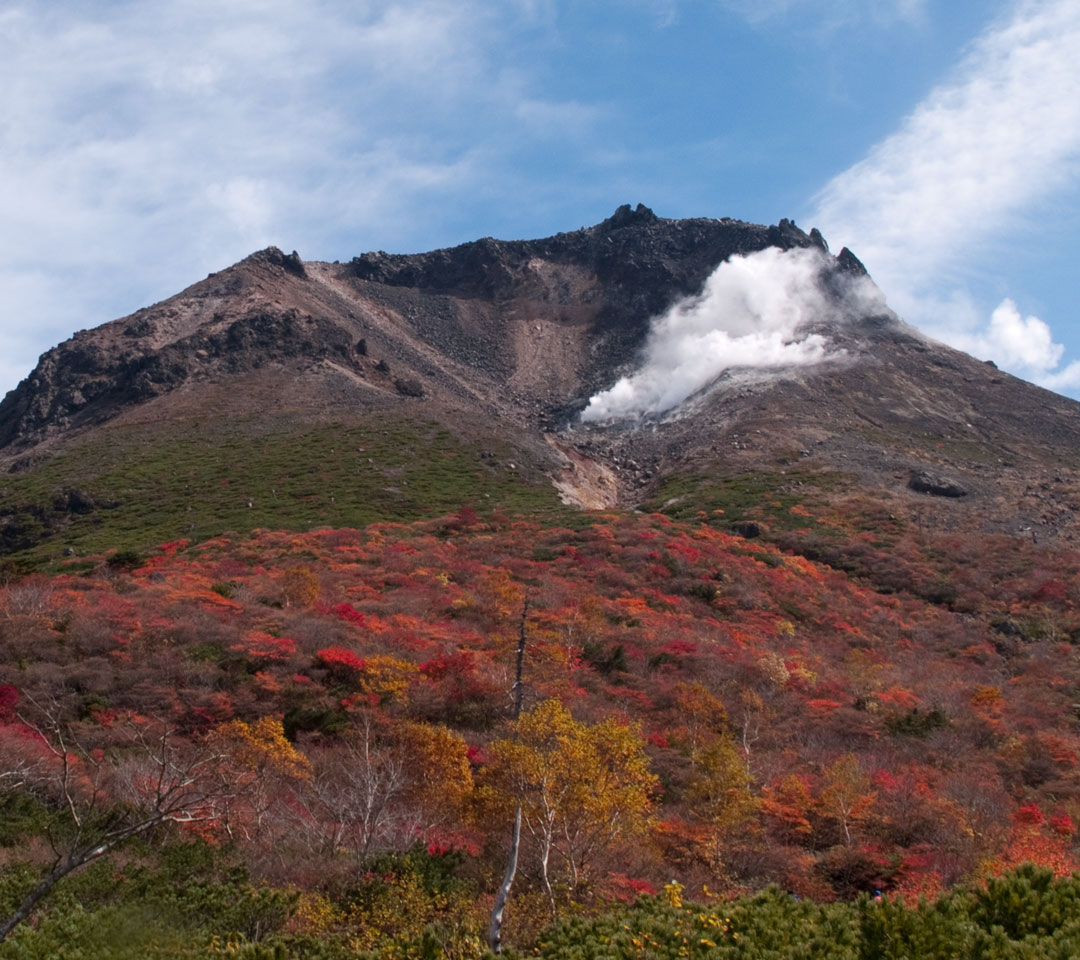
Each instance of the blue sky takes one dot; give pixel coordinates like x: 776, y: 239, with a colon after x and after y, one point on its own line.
x: 144, y: 144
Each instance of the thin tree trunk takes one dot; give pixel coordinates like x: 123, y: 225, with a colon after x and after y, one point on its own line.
x: 503, y: 893
x: 61, y: 869
x: 544, y: 874
x: 844, y: 821
x: 518, y: 690
x: 33, y: 898
x: 747, y: 742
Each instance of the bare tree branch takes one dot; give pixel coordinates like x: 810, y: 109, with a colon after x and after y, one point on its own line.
x: 142, y: 777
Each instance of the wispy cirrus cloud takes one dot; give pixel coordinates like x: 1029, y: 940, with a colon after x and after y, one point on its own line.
x: 145, y: 142
x: 997, y: 138
x: 826, y: 14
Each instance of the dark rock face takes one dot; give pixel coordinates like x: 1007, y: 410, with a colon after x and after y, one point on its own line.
x: 643, y: 262
x: 290, y: 263
x: 75, y: 501
x: 850, y: 263
x: 22, y: 526
x: 271, y: 309
x: 142, y: 327
x: 263, y: 337
x: 1007, y: 627
x: 409, y: 388
x: 746, y: 529
x: 79, y: 378
x: 935, y: 486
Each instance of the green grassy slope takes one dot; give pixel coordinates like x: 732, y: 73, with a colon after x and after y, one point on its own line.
x: 144, y: 484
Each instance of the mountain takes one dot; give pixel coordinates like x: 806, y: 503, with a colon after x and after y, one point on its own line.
x: 495, y: 347
x: 519, y: 330
x: 273, y: 551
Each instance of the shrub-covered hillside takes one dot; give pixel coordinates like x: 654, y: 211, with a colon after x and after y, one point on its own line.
x: 328, y: 716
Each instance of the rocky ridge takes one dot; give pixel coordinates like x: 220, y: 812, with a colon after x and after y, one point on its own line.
x: 519, y: 334
x: 462, y: 302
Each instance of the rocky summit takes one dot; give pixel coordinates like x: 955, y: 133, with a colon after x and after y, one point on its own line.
x: 509, y: 340
x: 532, y: 326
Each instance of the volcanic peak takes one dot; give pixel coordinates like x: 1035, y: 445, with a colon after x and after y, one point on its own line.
x: 513, y: 338
x: 454, y: 319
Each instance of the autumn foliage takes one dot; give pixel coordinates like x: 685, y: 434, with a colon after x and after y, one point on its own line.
x: 696, y: 704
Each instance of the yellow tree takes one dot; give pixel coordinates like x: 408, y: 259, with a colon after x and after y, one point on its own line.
x: 720, y: 794
x: 440, y: 781
x: 501, y: 595
x: 846, y: 793
x: 702, y: 714
x: 580, y: 788
x: 617, y: 800
x: 260, y: 759
x: 300, y: 587
x: 380, y: 680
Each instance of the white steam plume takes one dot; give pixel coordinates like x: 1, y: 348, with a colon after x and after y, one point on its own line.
x: 751, y: 314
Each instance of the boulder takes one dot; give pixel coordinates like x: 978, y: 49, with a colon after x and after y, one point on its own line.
x: 935, y: 486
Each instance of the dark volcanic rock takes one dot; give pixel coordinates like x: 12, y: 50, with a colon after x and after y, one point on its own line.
x: 642, y: 261
x: 24, y: 525
x: 746, y: 529
x: 79, y: 377
x: 850, y: 263
x: 74, y: 501
x: 141, y: 327
x: 1007, y: 627
x: 409, y: 388
x: 290, y: 263
x: 935, y: 486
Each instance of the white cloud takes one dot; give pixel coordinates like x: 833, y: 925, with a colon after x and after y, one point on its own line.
x: 1023, y: 344
x: 664, y: 13
x: 1002, y: 134
x: 555, y: 119
x: 1025, y: 341
x: 1012, y: 339
x: 246, y: 203
x: 147, y: 142
x: 1067, y: 378
x: 751, y: 314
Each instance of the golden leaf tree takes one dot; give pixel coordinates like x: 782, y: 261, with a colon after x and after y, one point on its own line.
x: 580, y: 787
x: 846, y: 794
x: 721, y: 796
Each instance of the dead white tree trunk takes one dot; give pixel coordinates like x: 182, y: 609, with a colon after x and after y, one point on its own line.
x: 503, y: 893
